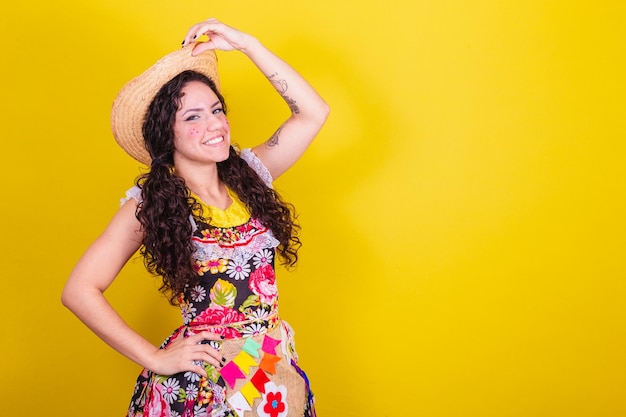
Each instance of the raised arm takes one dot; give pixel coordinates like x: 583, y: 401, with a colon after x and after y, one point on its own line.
x: 308, y: 110
x: 84, y: 296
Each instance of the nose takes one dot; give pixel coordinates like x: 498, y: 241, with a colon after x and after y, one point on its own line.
x: 216, y: 122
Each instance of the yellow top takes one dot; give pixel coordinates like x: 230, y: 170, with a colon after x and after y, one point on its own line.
x: 234, y: 215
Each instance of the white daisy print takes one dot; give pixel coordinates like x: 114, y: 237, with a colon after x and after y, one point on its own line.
x: 170, y: 390
x: 192, y: 376
x: 253, y: 329
x: 263, y: 257
x: 188, y: 311
x: 197, y: 293
x: 215, y: 344
x: 191, y: 391
x: 238, y: 269
x: 199, y: 411
x: 260, y: 314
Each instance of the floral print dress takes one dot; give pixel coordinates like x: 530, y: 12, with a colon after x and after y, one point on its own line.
x: 236, y: 297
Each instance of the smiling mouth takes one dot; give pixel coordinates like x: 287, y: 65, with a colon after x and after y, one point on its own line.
x: 214, y: 140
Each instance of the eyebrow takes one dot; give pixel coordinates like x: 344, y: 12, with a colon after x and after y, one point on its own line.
x: 197, y: 109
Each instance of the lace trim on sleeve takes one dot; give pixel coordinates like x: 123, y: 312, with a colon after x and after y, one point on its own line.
x: 134, y: 193
x: 256, y: 164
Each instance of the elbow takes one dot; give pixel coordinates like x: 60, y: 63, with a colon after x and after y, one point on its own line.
x: 71, y: 296
x: 66, y: 297
x: 324, y: 111
x: 321, y: 113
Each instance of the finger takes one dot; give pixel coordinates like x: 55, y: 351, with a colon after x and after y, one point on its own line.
x: 190, y: 35
x: 199, y: 370
x: 211, y: 25
x: 210, y: 354
x: 215, y: 354
x: 207, y: 335
x: 202, y: 46
x: 194, y: 32
x: 213, y: 358
x: 200, y: 353
x: 201, y: 28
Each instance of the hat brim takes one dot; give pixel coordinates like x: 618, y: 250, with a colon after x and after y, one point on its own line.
x: 132, y: 102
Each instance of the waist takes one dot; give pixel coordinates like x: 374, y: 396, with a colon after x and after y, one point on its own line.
x: 239, y: 329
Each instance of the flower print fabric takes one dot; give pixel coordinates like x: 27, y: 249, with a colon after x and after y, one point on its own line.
x: 236, y: 297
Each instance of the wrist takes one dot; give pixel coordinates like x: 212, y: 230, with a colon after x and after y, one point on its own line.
x: 251, y: 45
x: 150, y: 359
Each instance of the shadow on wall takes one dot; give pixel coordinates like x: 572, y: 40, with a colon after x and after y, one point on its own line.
x: 339, y: 261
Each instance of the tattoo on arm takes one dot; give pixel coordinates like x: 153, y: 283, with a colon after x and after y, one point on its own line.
x: 282, y: 87
x: 273, y: 141
x: 292, y: 104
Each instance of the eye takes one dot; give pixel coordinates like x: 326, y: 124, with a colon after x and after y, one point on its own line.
x: 218, y: 110
x: 192, y: 117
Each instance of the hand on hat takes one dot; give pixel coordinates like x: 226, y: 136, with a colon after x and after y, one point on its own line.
x: 221, y: 37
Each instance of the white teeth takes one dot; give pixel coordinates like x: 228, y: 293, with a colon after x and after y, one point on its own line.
x: 213, y: 141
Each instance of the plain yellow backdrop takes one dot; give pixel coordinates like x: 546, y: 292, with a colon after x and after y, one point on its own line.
x: 462, y: 211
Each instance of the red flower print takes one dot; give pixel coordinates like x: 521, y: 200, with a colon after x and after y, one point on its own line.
x: 156, y: 405
x: 245, y: 228
x: 219, y: 315
x: 263, y: 283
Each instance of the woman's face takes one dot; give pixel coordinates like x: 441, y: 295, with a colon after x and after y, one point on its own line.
x: 201, y: 130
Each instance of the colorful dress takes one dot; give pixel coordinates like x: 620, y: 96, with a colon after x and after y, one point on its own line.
x: 237, y: 298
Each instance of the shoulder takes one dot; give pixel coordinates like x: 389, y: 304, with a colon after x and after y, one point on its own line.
x: 255, y: 163
x: 133, y: 193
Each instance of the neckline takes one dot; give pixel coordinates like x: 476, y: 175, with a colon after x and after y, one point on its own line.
x: 235, y: 214
x: 211, y: 207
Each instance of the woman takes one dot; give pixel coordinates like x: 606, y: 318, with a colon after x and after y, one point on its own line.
x: 206, y: 219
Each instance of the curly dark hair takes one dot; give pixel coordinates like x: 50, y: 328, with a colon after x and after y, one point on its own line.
x: 167, y: 202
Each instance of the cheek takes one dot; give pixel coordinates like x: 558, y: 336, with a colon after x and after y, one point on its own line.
x: 193, y: 132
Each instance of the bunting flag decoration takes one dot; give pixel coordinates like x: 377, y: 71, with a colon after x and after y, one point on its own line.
x: 251, y: 347
x: 250, y: 392
x: 244, y: 361
x: 239, y: 403
x: 257, y: 383
x: 268, y: 363
x: 269, y: 345
x: 231, y: 372
x: 259, y: 380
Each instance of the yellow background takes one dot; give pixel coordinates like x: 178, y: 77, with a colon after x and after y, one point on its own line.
x: 462, y: 211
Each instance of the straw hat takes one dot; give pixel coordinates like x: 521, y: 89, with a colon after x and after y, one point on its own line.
x: 131, y: 104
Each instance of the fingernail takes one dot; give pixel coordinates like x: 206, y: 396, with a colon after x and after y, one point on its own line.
x: 222, y: 337
x: 195, y: 36
x: 223, y: 359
